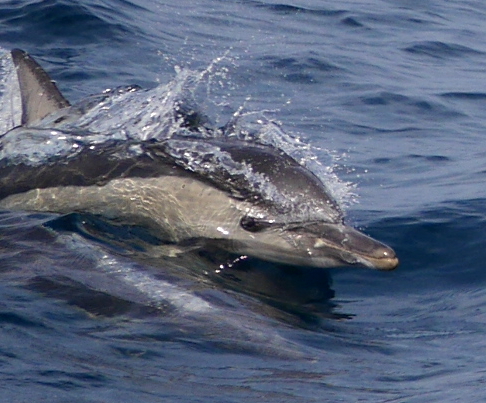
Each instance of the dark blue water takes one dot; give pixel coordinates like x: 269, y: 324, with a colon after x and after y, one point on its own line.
x: 395, y: 90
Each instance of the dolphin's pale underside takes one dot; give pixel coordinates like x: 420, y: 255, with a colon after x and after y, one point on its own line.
x: 147, y: 184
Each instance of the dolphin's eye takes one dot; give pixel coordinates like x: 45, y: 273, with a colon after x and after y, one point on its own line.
x: 252, y: 225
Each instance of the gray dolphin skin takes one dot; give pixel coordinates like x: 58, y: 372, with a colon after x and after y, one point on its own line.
x: 149, y: 184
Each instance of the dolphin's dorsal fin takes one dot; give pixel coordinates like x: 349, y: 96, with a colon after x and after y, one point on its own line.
x: 40, y: 96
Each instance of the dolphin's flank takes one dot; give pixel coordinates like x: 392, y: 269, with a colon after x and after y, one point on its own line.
x: 246, y: 198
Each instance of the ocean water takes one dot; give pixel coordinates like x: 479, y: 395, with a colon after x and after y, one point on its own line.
x: 389, y: 95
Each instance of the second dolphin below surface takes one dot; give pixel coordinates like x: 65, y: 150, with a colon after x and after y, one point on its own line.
x: 241, y: 197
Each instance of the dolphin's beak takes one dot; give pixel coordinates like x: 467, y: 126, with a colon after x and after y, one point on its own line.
x: 352, y: 247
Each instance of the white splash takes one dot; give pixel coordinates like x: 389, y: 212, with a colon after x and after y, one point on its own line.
x: 10, y: 104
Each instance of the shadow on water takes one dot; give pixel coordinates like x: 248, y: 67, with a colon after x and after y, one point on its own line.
x: 301, y: 296
x: 95, y: 302
x: 298, y: 296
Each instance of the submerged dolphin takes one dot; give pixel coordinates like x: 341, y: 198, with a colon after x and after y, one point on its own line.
x: 286, y: 215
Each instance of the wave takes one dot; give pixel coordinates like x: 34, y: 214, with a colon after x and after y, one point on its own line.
x: 441, y: 50
x: 41, y: 23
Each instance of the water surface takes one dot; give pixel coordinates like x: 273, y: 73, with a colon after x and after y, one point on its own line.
x: 392, y: 90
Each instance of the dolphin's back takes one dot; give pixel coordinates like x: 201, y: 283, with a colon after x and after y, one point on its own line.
x: 89, y: 167
x: 299, y: 189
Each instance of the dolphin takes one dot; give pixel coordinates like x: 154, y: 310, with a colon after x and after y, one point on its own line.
x: 244, y: 198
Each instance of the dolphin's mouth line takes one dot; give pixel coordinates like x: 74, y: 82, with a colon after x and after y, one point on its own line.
x: 384, y: 264
x: 360, y: 256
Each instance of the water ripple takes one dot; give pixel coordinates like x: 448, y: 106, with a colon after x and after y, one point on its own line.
x: 441, y: 50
